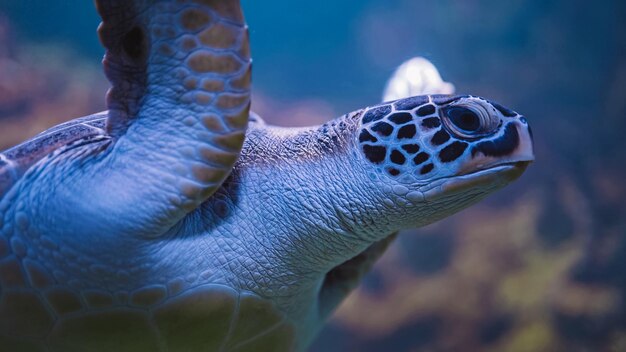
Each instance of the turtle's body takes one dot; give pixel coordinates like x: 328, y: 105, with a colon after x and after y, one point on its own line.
x: 205, y: 278
x: 168, y: 224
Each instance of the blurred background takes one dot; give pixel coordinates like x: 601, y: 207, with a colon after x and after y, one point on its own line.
x: 540, y: 266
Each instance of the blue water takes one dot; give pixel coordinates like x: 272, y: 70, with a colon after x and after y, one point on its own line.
x: 343, y: 51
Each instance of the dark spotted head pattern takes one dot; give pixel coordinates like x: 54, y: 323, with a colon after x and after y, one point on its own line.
x: 420, y: 139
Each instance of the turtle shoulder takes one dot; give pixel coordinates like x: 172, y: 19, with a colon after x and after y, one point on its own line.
x: 15, y: 161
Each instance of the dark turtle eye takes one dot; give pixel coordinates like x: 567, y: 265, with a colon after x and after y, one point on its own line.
x: 469, y: 121
x: 464, y: 118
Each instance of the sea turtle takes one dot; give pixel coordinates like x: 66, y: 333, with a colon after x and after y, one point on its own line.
x: 179, y: 221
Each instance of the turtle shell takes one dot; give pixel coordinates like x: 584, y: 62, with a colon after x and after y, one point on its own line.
x: 208, y: 317
x: 169, y: 317
x: 16, y: 161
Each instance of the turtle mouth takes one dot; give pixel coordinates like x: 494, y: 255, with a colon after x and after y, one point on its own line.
x: 513, y: 168
x: 486, y: 178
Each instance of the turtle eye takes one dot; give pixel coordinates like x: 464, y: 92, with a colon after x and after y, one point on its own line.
x: 464, y: 118
x: 469, y: 121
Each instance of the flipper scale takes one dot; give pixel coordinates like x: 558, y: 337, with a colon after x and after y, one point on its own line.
x: 180, y: 96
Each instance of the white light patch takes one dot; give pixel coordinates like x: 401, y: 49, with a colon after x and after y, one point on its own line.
x: 416, y: 76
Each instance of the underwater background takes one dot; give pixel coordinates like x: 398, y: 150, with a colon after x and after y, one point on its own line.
x: 540, y: 266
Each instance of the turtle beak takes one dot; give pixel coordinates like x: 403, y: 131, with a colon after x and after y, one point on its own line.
x: 521, y: 154
x: 494, y: 177
x: 524, y: 151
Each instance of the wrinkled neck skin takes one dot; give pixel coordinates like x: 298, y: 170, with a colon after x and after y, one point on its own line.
x: 298, y: 204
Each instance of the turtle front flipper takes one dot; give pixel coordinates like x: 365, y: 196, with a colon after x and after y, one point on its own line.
x: 344, y: 278
x: 180, y: 96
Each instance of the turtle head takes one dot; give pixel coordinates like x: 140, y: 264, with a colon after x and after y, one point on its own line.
x: 439, y: 154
